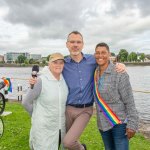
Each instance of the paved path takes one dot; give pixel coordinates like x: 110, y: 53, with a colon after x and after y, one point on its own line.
x: 5, y: 113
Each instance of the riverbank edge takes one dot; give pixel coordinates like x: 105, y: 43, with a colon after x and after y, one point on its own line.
x: 20, y: 65
x: 144, y: 126
x: 137, y: 63
x: 30, y: 65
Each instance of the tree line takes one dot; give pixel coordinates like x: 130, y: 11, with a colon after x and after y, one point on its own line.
x: 21, y: 59
x: 125, y: 56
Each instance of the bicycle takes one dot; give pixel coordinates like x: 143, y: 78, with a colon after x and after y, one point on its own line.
x: 2, y: 107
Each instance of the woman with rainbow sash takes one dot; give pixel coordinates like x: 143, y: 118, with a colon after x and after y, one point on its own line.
x: 117, y: 117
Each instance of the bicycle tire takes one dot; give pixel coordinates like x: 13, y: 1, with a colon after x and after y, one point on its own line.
x: 2, y: 103
x: 1, y: 127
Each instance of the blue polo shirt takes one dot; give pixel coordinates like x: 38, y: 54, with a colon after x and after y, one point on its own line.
x: 79, y: 78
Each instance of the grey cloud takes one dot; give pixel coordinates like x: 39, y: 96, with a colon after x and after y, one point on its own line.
x: 144, y: 6
x: 56, y: 16
x: 123, y: 32
x: 121, y: 24
x: 2, y: 3
x: 141, y: 5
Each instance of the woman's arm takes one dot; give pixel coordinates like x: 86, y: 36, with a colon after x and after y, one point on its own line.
x: 125, y: 91
x: 32, y: 95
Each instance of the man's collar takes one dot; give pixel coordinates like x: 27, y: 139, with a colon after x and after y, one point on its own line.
x: 69, y: 59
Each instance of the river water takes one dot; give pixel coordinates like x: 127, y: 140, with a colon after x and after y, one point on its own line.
x: 139, y: 78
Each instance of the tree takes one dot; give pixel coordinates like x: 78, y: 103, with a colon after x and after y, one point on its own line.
x: 16, y: 61
x: 1, y: 62
x: 132, y: 57
x: 21, y: 59
x: 123, y: 54
x: 31, y: 61
x: 147, y: 56
x: 48, y: 57
x: 113, y: 54
x: 142, y: 57
x: 44, y: 62
x: 26, y: 61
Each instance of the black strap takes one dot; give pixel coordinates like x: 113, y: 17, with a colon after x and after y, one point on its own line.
x: 59, y: 139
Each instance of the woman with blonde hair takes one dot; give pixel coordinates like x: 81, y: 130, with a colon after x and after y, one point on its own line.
x: 46, y: 104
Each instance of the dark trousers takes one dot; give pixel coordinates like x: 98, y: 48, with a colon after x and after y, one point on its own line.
x: 116, y: 138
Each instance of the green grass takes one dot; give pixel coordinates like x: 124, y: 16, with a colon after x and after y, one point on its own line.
x: 17, y: 127
x: 94, y: 141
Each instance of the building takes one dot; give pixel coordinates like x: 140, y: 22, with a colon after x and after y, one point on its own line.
x: 1, y: 58
x: 113, y: 58
x: 35, y: 56
x: 11, y: 57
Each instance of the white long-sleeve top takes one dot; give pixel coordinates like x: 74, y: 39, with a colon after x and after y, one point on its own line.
x: 46, y: 103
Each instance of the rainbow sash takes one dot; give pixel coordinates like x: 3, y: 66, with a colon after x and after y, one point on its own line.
x: 108, y: 113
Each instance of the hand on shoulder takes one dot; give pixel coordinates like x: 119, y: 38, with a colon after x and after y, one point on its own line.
x: 120, y: 67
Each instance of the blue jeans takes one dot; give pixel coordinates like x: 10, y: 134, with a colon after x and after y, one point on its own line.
x: 115, y: 138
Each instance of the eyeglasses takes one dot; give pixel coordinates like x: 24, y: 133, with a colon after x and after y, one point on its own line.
x: 73, y: 42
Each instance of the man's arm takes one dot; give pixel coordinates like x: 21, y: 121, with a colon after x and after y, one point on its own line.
x: 120, y: 67
x: 32, y: 95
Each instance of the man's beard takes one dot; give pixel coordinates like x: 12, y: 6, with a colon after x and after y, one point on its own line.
x: 75, y: 53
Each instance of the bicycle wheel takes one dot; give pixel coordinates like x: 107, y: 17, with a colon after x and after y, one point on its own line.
x: 1, y: 127
x: 2, y: 103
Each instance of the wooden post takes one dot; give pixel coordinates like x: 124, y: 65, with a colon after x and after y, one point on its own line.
x: 19, y: 89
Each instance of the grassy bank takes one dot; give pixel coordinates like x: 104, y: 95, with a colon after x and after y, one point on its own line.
x: 137, y: 63
x: 19, y: 65
x: 17, y: 126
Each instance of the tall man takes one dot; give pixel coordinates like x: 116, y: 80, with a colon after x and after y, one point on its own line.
x: 78, y: 73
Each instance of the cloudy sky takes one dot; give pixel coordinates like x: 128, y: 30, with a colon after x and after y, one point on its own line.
x: 41, y: 26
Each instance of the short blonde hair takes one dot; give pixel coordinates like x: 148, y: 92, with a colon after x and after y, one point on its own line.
x: 56, y: 56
